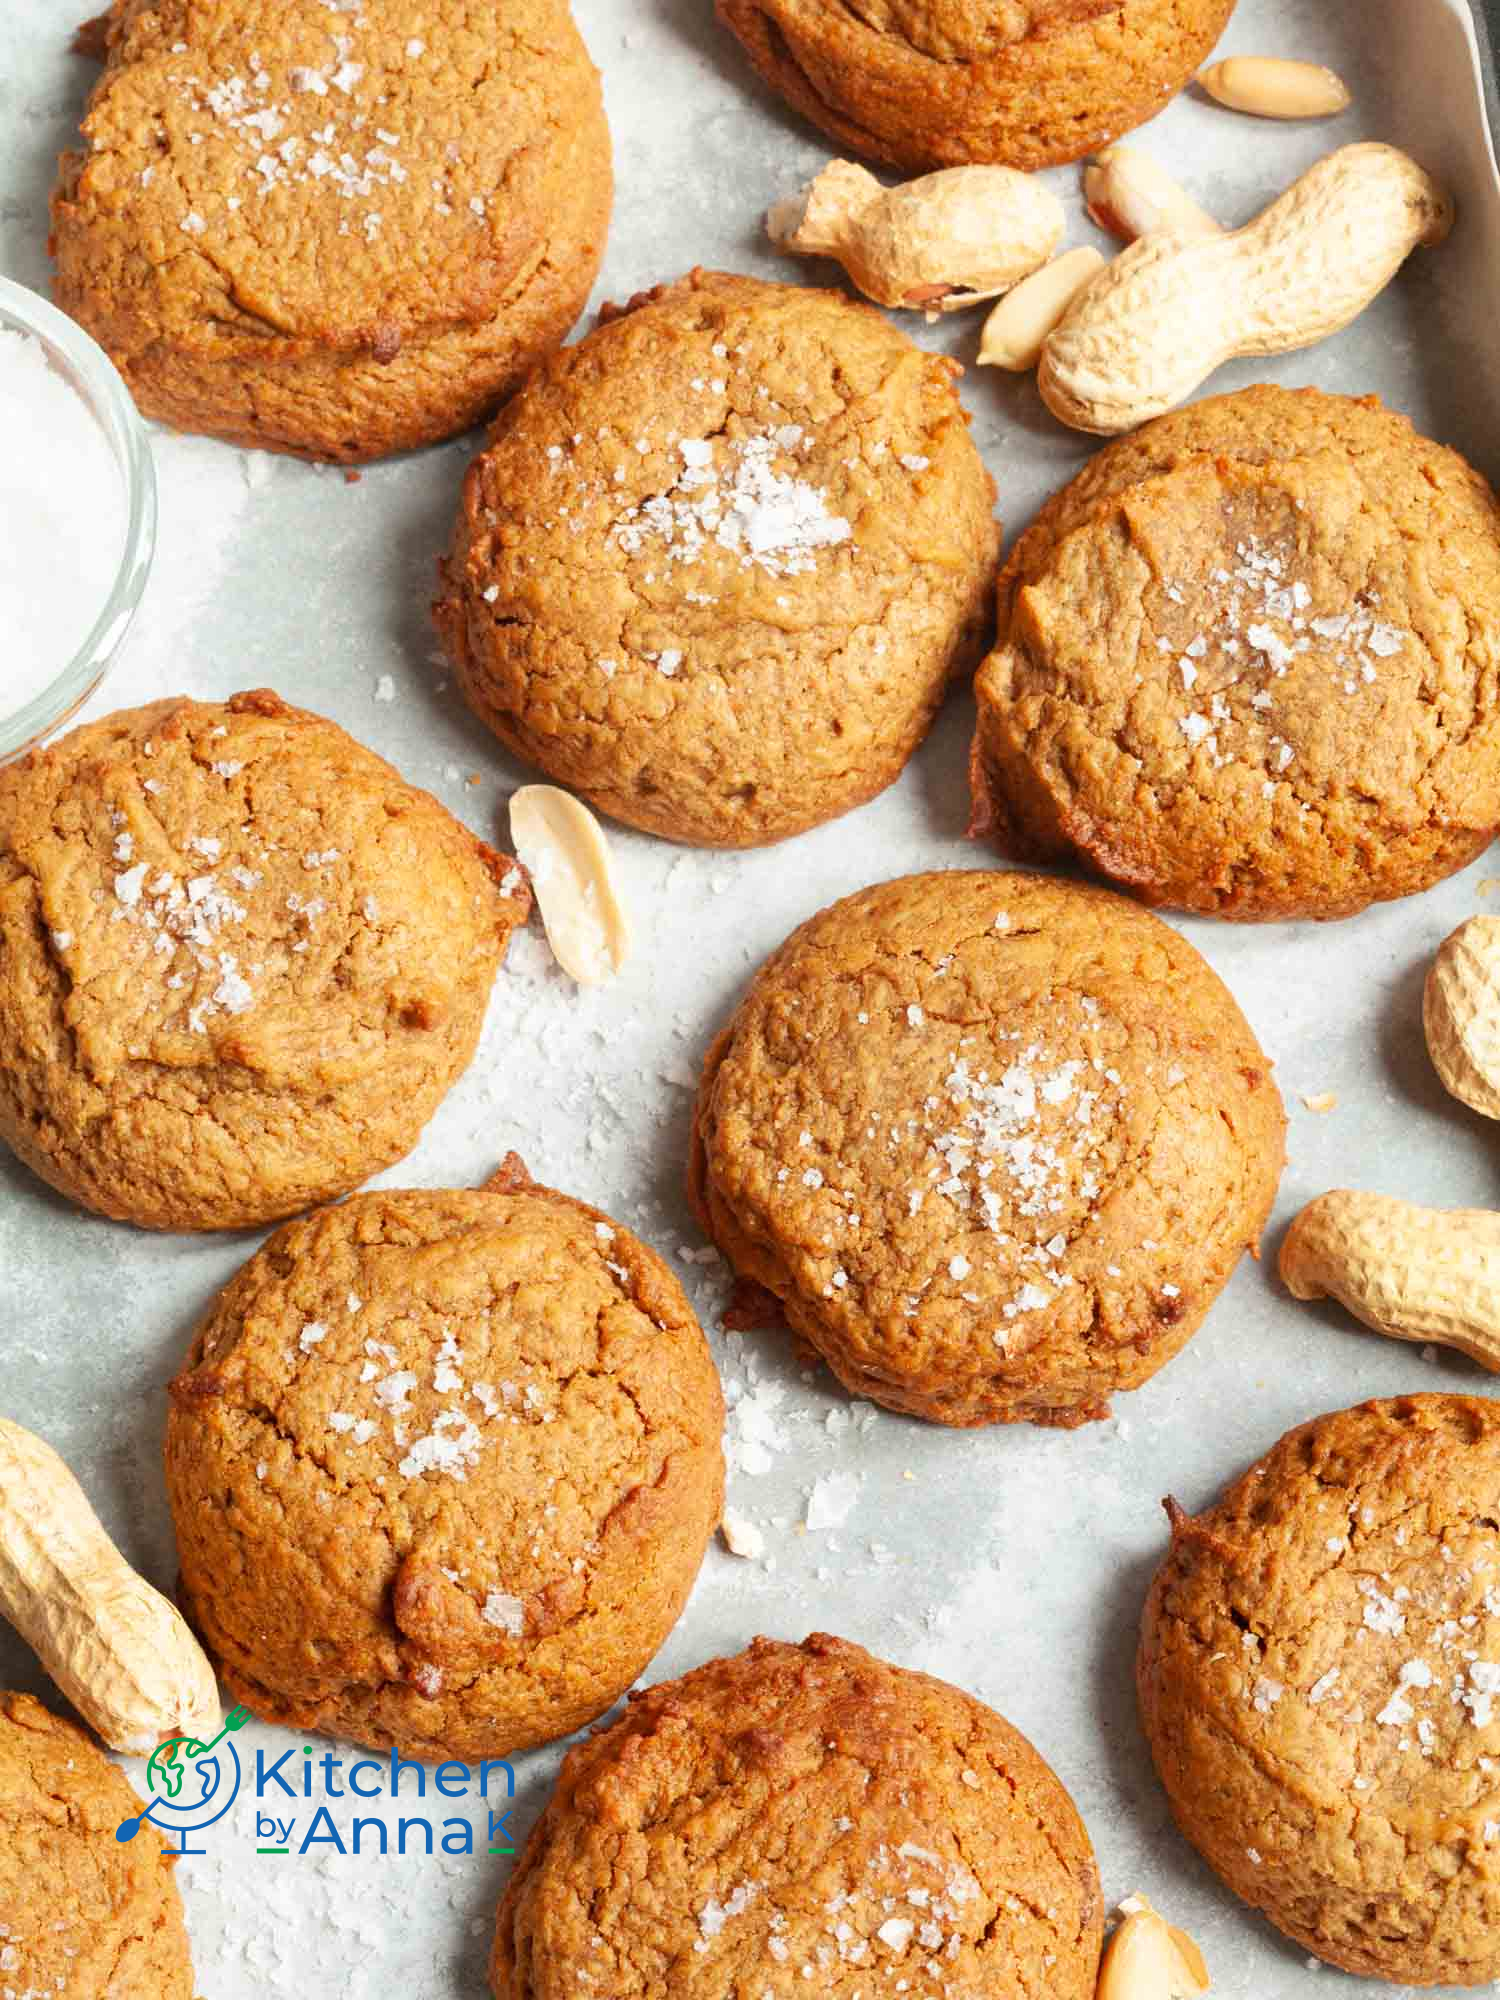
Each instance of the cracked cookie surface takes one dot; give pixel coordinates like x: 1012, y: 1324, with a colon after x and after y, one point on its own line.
x: 241, y: 961
x: 337, y: 231
x: 1249, y: 663
x: 1318, y: 1673
x: 937, y: 83
x: 992, y: 1142
x: 81, y: 1913
x: 720, y: 560
x: 443, y: 1466
x: 803, y: 1820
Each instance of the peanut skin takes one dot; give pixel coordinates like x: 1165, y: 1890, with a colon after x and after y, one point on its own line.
x: 1173, y: 307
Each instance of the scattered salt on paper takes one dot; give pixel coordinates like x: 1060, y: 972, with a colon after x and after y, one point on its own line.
x: 754, y: 1435
x: 741, y: 1536
x: 832, y: 1499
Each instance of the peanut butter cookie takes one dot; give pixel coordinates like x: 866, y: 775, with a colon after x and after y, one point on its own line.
x: 935, y: 83
x: 81, y: 1914
x: 1248, y: 663
x: 1318, y: 1673
x: 331, y: 229
x: 443, y: 1467
x: 991, y: 1143
x: 721, y: 559
x: 241, y: 961
x: 802, y: 1821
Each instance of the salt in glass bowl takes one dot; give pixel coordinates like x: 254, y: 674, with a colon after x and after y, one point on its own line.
x: 92, y: 376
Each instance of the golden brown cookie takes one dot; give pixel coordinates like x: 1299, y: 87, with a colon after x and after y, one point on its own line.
x: 935, y: 83
x: 241, y: 961
x: 333, y: 230
x: 720, y: 560
x: 82, y: 1914
x: 802, y: 1821
x: 1318, y: 1674
x: 443, y: 1467
x: 1247, y: 663
x: 992, y: 1143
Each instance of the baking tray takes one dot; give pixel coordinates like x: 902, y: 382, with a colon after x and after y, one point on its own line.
x: 1012, y: 1561
x: 1487, y: 29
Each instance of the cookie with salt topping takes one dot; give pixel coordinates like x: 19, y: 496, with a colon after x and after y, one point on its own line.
x: 802, y: 1820
x: 991, y: 1143
x: 339, y: 230
x: 720, y: 560
x: 1319, y: 1679
x: 443, y: 1466
x: 1246, y: 663
x: 82, y: 1914
x: 241, y: 961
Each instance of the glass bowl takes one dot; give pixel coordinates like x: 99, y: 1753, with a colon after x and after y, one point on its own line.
x: 91, y: 374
